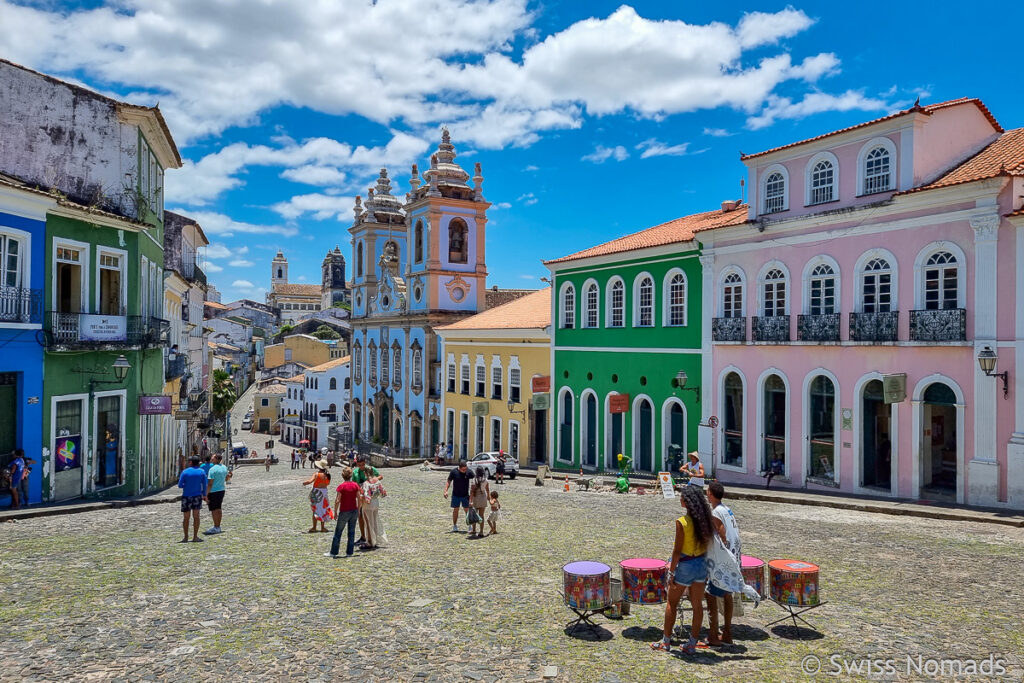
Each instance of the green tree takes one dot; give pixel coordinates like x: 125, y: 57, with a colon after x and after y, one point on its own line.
x: 326, y: 332
x: 222, y: 393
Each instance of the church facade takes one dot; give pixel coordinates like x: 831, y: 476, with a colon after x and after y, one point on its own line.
x: 297, y: 301
x: 417, y: 265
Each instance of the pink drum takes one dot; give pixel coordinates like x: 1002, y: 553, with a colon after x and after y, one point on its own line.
x: 644, y: 581
x: 753, y: 574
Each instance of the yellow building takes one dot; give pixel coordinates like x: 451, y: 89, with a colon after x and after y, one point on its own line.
x: 301, y: 348
x: 174, y: 432
x: 266, y: 408
x: 492, y: 362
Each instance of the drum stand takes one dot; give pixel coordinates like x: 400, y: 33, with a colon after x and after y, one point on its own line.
x: 583, y: 617
x: 795, y: 614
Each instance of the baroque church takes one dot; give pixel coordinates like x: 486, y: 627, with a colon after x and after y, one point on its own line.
x: 417, y: 264
x: 296, y: 301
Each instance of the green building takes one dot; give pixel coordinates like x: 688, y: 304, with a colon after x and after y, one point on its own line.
x: 627, y: 325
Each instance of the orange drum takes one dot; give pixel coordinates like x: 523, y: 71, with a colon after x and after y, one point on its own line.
x: 794, y: 582
x: 644, y: 581
x: 753, y: 574
x: 587, y: 585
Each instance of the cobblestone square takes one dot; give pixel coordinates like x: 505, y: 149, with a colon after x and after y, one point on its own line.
x: 111, y: 595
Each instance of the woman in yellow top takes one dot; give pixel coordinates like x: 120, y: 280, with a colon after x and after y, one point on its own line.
x: 687, y: 568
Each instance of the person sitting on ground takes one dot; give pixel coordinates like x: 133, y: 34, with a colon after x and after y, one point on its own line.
x: 776, y: 468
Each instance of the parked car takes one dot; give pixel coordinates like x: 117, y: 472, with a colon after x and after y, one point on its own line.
x: 489, y: 459
x: 247, y: 422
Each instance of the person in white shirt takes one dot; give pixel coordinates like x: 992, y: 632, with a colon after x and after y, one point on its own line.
x: 727, y: 529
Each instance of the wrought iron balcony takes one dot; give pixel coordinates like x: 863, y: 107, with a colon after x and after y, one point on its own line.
x: 729, y: 329
x: 20, y: 305
x: 175, y: 368
x: 946, y: 325
x: 818, y: 328
x: 874, y: 327
x: 771, y: 329
x: 97, y: 331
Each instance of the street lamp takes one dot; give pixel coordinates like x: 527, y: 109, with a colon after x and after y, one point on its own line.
x: 121, y: 367
x: 511, y: 408
x: 987, y: 359
x: 681, y: 384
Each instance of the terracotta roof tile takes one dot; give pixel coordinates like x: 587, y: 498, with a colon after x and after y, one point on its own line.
x: 927, y: 109
x: 272, y: 389
x: 296, y: 290
x: 330, y: 365
x: 296, y: 378
x: 497, y: 297
x: 527, y: 312
x: 214, y: 304
x: 1002, y: 156
x: 679, y: 230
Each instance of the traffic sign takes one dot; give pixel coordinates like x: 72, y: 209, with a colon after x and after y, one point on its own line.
x: 327, y: 413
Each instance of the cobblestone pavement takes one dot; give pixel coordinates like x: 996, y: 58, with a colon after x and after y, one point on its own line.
x: 111, y: 595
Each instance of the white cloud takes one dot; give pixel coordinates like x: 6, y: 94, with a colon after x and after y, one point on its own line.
x: 501, y: 205
x: 212, y: 267
x: 212, y: 67
x: 814, y: 103
x: 241, y: 263
x: 717, y: 132
x: 218, y: 250
x: 531, y: 167
x: 602, y: 154
x: 315, y: 175
x: 242, y: 284
x: 653, y: 148
x: 301, y: 278
x: 214, y: 223
x: 321, y: 206
x: 528, y: 199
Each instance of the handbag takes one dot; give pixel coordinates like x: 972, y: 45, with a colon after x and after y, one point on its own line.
x: 473, y: 517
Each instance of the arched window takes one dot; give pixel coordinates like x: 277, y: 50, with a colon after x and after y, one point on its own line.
x: 417, y: 369
x: 591, y: 304
x: 616, y: 304
x: 774, y: 192
x: 941, y: 291
x: 732, y: 427
x: 876, y: 286
x: 822, y: 434
x: 357, y: 358
x: 732, y: 296
x: 385, y: 366
x: 822, y: 290
x: 280, y: 274
x: 397, y: 360
x: 359, y: 259
x: 497, y: 373
x: 458, y: 241
x: 773, y: 294
x: 774, y: 422
x: 643, y: 312
x: 877, y: 174
x: 568, y: 306
x: 333, y: 386
x: 675, y: 299
x: 417, y: 239
x: 822, y: 181
x: 333, y: 410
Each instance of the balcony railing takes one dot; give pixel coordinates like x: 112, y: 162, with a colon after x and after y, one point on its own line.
x: 175, y: 368
x: 823, y: 327
x: 729, y: 329
x: 89, y: 331
x: 948, y: 325
x: 874, y: 327
x: 20, y: 305
x: 771, y: 329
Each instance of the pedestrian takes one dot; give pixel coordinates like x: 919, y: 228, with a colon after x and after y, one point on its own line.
x: 479, y: 494
x: 492, y: 518
x: 24, y: 477
x: 458, y: 481
x: 346, y: 511
x: 267, y: 460
x: 373, y: 492
x: 216, y: 477
x: 319, y: 501
x: 448, y: 452
x: 207, y: 464
x: 725, y: 525
x: 363, y: 472
x: 293, y: 463
x: 694, y: 469
x: 499, y: 469
x: 235, y: 455
x: 16, y: 472
x: 776, y: 468
x: 688, y: 568
x: 192, y: 483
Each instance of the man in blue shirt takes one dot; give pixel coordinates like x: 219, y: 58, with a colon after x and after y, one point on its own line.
x: 17, y: 472
x: 216, y: 477
x: 192, y: 482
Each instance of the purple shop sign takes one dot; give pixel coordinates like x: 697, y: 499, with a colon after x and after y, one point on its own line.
x: 154, y: 405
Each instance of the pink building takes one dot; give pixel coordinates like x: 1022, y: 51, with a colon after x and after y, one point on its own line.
x: 844, y: 322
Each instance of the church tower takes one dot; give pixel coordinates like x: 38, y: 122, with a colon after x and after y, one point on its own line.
x: 333, y: 285
x: 279, y: 270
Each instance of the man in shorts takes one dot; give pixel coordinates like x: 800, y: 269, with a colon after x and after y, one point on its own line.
x: 192, y: 483
x: 216, y: 477
x: 458, y: 480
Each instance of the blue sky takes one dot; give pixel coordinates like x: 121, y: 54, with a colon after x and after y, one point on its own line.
x: 591, y: 119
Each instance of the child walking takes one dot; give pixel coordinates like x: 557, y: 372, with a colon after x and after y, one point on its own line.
x: 492, y: 518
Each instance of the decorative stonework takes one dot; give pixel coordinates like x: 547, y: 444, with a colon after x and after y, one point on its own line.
x: 986, y: 227
x: 457, y: 288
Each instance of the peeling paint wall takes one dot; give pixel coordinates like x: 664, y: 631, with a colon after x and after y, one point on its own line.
x: 59, y: 136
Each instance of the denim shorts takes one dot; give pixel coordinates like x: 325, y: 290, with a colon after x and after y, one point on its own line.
x: 714, y: 591
x: 460, y: 500
x: 691, y: 570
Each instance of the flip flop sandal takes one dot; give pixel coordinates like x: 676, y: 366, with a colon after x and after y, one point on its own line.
x: 661, y: 646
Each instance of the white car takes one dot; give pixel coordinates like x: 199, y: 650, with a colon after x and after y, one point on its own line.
x: 247, y: 422
x: 489, y: 459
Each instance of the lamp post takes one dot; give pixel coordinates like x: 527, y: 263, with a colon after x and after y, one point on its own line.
x: 681, y: 384
x: 987, y: 360
x: 511, y: 408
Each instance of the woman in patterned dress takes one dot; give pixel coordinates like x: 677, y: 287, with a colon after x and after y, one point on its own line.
x: 319, y: 500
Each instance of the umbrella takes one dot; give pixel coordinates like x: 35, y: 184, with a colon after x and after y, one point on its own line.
x: 304, y: 441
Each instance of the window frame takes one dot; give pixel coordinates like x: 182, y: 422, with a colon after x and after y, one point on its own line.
x: 862, y: 157
x: 591, y: 305
x: 762, y: 282
x: 122, y: 258
x: 764, y: 176
x: 741, y: 283
x: 861, y: 271
x: 638, y: 306
x: 810, y: 278
x: 812, y: 163
x: 920, y: 266
x: 567, y: 306
x: 666, y: 298
x: 610, y: 308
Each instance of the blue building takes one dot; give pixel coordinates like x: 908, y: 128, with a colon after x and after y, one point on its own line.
x: 417, y: 265
x: 22, y: 240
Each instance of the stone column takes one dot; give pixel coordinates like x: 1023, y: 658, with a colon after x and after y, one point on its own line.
x: 1015, y: 448
x: 983, y: 470
x: 705, y: 434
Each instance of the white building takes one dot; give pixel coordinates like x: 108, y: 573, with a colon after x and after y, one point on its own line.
x: 314, y: 402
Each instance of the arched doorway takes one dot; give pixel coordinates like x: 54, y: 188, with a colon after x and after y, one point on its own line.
x: 590, y: 430
x: 673, y: 429
x: 939, y: 443
x: 644, y: 436
x: 876, y: 437
x: 774, y: 423
x: 398, y: 432
x: 613, y: 434
x: 565, y: 427
x: 385, y: 419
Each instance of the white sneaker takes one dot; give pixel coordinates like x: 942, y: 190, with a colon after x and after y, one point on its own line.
x: 333, y: 557
x: 211, y: 530
x: 217, y: 530
x: 455, y: 528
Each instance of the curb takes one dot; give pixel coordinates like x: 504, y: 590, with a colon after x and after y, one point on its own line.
x: 75, y: 508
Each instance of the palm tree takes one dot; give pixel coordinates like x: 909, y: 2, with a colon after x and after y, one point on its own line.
x: 222, y: 393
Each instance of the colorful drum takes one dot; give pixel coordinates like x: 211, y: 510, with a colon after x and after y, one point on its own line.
x: 587, y: 585
x: 644, y: 581
x: 794, y: 582
x: 753, y: 574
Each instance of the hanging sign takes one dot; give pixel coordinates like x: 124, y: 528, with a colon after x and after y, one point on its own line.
x: 540, y: 384
x: 667, y: 490
x: 102, y: 327
x: 479, y: 408
x: 154, y: 405
x: 541, y: 401
x: 894, y: 387
x: 618, y: 403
